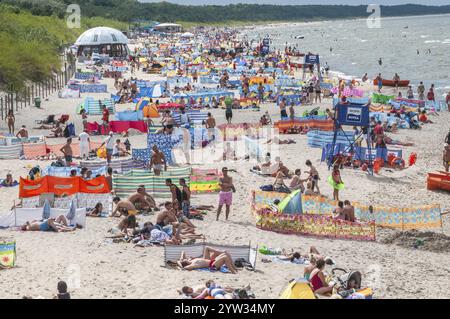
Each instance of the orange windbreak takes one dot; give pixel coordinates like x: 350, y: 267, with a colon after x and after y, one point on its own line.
x: 98, y: 185
x: 62, y: 186
x: 30, y: 188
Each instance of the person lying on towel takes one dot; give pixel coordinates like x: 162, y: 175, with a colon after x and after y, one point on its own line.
x: 212, y: 259
x: 58, y: 225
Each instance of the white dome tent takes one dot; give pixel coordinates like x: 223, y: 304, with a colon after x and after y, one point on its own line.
x: 103, y: 40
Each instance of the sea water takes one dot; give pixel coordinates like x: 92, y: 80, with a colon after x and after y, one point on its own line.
x: 351, y: 47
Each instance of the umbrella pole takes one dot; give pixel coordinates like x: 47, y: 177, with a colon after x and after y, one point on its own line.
x: 15, y: 214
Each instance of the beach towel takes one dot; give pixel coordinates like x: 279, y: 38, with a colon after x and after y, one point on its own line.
x: 33, y: 150
x: 129, y: 116
x: 7, y: 254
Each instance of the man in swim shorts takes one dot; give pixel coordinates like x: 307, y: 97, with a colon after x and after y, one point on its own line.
x: 157, y: 161
x: 123, y: 207
x: 67, y: 151
x: 226, y: 193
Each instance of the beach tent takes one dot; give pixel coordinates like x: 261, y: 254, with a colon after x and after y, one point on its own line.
x: 142, y: 103
x: 298, y: 288
x: 292, y: 204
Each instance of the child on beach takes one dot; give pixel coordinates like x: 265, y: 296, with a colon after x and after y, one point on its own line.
x: 313, y: 176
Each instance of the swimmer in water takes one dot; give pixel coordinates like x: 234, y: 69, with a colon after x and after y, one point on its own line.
x: 380, y: 61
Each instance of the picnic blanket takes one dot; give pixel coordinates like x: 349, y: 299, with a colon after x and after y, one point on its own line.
x: 126, y: 184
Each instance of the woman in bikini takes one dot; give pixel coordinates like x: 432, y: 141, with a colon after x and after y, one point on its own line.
x: 10, y: 120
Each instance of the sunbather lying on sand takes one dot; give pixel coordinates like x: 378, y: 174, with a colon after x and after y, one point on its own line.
x: 212, y: 259
x: 277, y: 140
x: 57, y: 225
x: 212, y: 290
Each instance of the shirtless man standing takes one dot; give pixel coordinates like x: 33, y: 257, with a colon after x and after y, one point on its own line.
x: 226, y: 193
x: 446, y: 157
x: 123, y: 206
x: 157, y: 161
x: 210, y: 125
x: 67, y: 151
x: 348, y: 211
x: 313, y: 175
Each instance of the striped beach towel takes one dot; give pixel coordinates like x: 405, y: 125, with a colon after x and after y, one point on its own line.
x: 204, y: 181
x: 126, y: 184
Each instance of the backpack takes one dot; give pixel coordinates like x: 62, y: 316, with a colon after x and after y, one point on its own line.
x: 267, y: 188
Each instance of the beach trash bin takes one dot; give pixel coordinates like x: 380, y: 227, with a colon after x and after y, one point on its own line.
x: 37, y: 102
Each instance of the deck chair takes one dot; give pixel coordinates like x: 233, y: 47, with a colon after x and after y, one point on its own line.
x: 172, y: 253
x: 49, y: 120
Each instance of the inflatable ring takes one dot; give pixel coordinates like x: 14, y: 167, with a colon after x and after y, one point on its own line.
x: 335, y: 185
x: 395, y: 160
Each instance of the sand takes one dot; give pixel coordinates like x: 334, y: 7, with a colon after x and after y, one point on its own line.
x: 95, y: 268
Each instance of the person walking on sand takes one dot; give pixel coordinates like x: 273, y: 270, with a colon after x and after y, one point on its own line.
x: 336, y: 181
x: 10, y: 120
x: 68, y: 152
x: 396, y: 80
x: 210, y: 126
x: 109, y: 145
x: 226, y: 193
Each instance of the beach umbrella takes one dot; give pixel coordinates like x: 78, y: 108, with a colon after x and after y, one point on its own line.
x: 46, y: 210
x: 72, y: 210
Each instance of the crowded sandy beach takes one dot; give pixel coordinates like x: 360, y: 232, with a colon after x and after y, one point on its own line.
x: 202, y: 164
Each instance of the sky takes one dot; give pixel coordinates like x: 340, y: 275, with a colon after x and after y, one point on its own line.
x: 300, y: 2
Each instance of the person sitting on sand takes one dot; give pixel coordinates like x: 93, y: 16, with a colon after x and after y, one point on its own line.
x: 348, y: 211
x: 141, y: 200
x: 338, y: 212
x: 8, y: 181
x: 57, y: 131
x: 123, y: 207
x: 22, y: 133
x: 119, y: 150
x: 423, y: 117
x: 317, y: 279
x: 446, y: 157
x: 297, y: 182
x: 309, y: 191
x: 96, y: 211
x: 212, y: 259
x: 121, y: 230
x: 279, y: 185
x: 58, y: 225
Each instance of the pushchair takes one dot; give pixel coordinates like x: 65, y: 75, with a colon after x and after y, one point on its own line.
x: 348, y: 283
